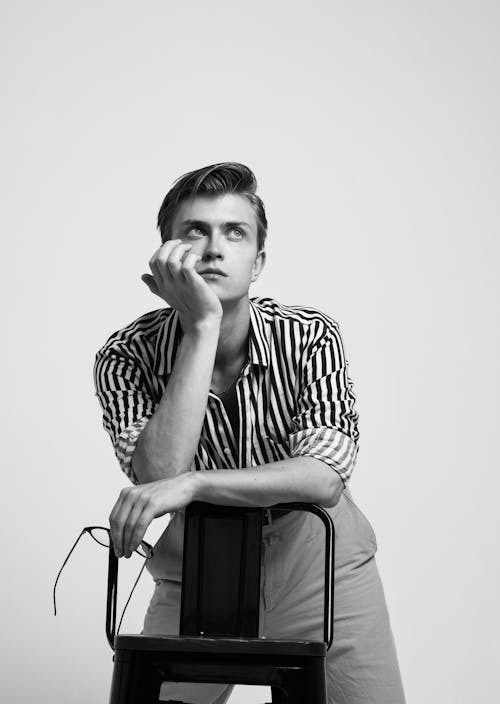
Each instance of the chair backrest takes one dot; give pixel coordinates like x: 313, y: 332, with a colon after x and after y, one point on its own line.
x: 221, y: 571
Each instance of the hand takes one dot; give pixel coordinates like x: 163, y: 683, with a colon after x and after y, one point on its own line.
x: 175, y: 279
x: 137, y: 506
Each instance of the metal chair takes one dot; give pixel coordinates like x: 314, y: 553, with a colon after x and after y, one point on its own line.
x: 219, y: 619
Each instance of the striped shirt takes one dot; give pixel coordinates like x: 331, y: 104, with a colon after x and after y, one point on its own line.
x: 294, y: 395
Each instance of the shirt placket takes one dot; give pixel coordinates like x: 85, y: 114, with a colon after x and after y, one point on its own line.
x: 246, y: 418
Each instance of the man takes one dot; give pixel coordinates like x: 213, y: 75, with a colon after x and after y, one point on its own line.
x: 217, y: 382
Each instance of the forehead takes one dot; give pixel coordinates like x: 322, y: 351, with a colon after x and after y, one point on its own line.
x: 227, y: 207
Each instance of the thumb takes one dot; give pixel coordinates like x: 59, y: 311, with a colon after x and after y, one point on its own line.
x: 150, y: 283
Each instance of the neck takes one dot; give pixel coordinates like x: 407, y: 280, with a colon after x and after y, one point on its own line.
x: 232, y: 348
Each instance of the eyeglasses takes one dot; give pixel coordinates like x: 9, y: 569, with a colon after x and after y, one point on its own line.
x: 102, y: 536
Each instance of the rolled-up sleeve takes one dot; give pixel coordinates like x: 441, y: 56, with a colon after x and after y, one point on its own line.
x: 126, y: 404
x: 326, y: 422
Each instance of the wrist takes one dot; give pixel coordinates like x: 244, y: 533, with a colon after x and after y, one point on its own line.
x: 196, y: 483
x: 203, y: 328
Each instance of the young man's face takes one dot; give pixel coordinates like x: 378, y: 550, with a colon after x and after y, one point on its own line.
x: 223, y: 230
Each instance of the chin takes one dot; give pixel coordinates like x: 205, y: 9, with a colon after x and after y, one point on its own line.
x: 230, y: 301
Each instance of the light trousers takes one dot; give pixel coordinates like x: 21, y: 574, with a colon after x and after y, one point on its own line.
x: 361, y: 665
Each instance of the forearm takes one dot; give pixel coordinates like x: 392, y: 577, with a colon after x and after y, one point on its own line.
x: 167, y: 445
x: 295, y: 479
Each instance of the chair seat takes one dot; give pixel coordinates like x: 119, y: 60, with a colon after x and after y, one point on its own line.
x: 230, y: 646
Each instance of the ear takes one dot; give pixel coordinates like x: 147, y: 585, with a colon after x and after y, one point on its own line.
x: 258, y: 264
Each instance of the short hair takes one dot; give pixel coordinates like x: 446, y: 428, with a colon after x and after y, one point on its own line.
x: 213, y: 180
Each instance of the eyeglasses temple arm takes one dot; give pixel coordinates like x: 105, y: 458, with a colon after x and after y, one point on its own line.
x: 130, y: 595
x: 62, y: 567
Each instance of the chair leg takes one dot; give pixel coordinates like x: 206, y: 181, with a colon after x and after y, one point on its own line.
x: 304, y: 685
x: 277, y: 695
x: 135, y: 680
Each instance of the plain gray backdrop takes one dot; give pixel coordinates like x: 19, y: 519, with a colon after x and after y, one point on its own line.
x: 372, y: 128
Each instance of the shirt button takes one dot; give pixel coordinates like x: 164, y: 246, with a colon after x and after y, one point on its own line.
x: 227, y: 451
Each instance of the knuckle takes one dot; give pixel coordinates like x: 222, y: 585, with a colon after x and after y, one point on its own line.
x: 141, y: 525
x: 143, y: 500
x: 152, y: 503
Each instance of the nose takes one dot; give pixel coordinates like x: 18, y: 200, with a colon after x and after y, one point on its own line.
x: 213, y: 249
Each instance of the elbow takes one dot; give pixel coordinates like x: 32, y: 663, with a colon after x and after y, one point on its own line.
x: 320, y: 484
x: 137, y: 467
x: 149, y: 465
x: 332, y: 489
x: 143, y: 468
x: 147, y: 471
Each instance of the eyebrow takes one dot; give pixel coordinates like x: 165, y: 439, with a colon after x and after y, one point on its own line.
x: 206, y: 224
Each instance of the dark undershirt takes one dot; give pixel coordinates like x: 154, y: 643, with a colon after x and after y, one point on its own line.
x: 230, y: 402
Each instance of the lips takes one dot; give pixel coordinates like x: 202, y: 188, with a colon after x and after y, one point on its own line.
x: 212, y: 271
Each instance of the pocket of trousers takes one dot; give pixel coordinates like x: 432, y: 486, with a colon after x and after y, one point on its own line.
x: 368, y: 525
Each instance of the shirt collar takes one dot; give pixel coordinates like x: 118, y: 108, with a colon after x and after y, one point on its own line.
x: 171, y: 333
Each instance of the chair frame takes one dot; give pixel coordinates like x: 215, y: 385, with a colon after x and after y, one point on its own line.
x: 293, y: 669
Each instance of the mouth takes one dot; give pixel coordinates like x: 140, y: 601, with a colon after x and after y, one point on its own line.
x: 212, y: 272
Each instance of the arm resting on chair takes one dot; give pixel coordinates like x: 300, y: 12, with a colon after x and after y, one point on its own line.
x: 304, y: 479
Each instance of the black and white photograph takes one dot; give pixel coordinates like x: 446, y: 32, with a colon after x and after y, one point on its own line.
x: 251, y: 287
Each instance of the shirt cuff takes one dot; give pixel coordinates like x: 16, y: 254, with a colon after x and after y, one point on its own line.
x: 125, y: 446
x: 330, y: 445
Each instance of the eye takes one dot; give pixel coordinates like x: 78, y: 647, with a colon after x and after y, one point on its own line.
x: 194, y: 232
x: 235, y: 233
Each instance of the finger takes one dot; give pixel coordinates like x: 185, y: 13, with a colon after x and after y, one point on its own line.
x: 130, y: 526
x: 117, y: 519
x: 189, y: 263
x: 160, y: 264
x: 174, y: 260
x: 139, y: 524
x: 163, y: 253
x: 174, y: 239
x: 156, y: 268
